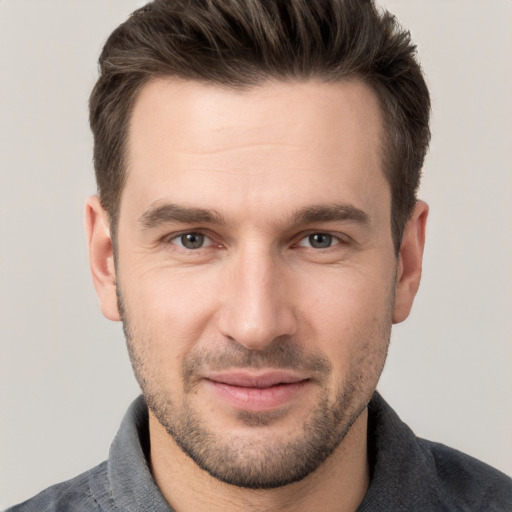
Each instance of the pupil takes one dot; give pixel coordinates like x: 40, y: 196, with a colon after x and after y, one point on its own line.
x: 192, y: 240
x: 320, y: 241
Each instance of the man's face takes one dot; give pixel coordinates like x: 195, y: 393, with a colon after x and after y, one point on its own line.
x: 256, y: 271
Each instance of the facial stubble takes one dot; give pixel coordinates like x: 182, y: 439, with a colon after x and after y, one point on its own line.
x: 257, y: 460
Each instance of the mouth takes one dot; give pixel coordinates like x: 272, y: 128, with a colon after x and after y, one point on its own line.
x: 257, y: 392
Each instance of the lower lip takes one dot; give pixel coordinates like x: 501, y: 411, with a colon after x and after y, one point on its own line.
x: 257, y: 399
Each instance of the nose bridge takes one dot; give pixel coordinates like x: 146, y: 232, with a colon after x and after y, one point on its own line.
x: 257, y: 306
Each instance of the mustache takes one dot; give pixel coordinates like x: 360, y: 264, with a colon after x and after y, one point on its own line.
x: 278, y: 354
x: 282, y: 353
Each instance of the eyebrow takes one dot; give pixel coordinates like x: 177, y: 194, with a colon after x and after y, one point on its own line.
x: 169, y: 212
x: 330, y: 213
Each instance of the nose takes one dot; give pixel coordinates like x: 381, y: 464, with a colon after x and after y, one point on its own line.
x: 257, y: 300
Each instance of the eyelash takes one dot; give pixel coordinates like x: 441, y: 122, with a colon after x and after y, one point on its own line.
x: 174, y: 238
x: 333, y: 240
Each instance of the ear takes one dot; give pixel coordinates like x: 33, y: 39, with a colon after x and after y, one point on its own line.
x: 101, y: 257
x: 410, y: 262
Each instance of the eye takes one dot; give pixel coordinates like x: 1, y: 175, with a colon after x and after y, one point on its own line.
x: 319, y: 241
x: 191, y: 240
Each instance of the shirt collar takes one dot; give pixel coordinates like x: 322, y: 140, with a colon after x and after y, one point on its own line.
x: 132, y: 485
x: 402, y: 474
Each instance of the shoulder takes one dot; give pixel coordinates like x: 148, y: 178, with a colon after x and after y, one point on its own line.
x: 468, y: 483
x: 75, y: 495
x: 410, y: 473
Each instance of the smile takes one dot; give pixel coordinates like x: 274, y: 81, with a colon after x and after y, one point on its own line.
x: 257, y: 392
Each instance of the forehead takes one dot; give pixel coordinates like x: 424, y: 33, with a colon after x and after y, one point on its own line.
x: 198, y: 116
x: 285, y: 143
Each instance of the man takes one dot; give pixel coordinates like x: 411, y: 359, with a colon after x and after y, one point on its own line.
x: 257, y: 231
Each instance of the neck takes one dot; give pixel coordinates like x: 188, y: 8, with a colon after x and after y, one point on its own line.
x: 339, y: 484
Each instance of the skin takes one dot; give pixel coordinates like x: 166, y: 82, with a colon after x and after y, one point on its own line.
x: 258, y: 295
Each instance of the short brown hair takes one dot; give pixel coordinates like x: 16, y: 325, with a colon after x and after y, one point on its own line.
x: 239, y: 43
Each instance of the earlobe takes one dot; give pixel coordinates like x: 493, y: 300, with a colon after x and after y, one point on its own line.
x: 410, y: 262
x: 101, y: 257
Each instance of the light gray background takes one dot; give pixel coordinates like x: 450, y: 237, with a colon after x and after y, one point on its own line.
x: 65, y: 376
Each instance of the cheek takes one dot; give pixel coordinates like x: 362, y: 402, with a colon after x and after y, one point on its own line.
x: 349, y: 313
x: 173, y: 307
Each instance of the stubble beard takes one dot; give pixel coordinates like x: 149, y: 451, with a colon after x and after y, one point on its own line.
x: 252, y: 461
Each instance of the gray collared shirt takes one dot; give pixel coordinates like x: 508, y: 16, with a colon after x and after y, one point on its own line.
x: 408, y: 474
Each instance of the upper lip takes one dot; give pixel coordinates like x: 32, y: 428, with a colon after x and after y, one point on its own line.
x: 261, y: 379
